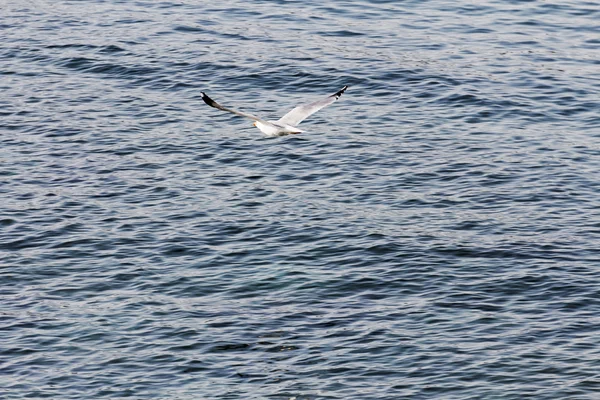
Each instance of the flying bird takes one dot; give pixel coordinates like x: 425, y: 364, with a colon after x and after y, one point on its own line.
x: 286, y: 125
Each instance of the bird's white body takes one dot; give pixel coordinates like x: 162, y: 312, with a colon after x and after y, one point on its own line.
x: 286, y: 125
x: 274, y: 128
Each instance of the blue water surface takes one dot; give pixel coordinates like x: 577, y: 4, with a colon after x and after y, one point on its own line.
x: 434, y: 234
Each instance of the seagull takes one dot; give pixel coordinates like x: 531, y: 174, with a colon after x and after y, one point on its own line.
x: 286, y: 125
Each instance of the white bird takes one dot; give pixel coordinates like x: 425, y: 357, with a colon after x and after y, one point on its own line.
x: 286, y: 125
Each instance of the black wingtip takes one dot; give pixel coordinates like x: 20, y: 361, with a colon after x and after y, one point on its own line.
x: 208, y: 100
x: 340, y: 92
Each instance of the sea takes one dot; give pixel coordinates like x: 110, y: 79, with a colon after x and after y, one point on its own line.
x: 433, y: 234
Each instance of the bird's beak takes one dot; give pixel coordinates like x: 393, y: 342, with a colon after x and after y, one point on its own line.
x: 254, y: 123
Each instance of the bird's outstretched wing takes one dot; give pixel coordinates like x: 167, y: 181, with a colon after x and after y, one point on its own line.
x: 304, y: 111
x: 214, y: 104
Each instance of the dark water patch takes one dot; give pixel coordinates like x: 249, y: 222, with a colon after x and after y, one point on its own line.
x: 190, y: 29
x: 113, y: 70
x: 111, y: 49
x: 344, y: 33
x: 71, y: 46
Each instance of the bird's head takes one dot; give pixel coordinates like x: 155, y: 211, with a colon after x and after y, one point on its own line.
x: 255, y: 124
